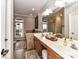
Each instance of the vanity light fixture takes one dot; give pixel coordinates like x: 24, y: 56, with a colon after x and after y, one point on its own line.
x: 60, y: 3
x: 70, y: 1
x: 47, y: 12
x: 61, y: 15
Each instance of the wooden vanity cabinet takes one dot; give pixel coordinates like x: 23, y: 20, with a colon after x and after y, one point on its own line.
x: 38, y: 46
x: 53, y: 55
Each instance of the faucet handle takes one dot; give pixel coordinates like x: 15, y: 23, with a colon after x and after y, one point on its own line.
x: 73, y: 46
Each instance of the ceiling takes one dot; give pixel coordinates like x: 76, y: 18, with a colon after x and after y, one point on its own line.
x: 24, y: 7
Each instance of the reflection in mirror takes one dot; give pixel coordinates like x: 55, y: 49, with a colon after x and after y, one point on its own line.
x: 55, y: 21
x: 73, y: 25
x: 19, y: 30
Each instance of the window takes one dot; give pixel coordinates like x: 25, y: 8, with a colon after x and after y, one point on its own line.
x: 45, y: 27
x: 19, y: 29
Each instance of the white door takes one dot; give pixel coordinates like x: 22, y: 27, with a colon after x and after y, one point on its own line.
x: 73, y: 25
x: 3, y: 12
x: 6, y: 29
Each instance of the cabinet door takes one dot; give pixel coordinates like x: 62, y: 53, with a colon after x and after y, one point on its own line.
x: 53, y: 55
x: 38, y: 47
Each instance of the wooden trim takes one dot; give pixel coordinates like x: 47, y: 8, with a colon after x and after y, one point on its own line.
x: 36, y: 22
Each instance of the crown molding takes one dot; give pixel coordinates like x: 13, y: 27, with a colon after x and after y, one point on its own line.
x: 20, y: 15
x: 24, y: 15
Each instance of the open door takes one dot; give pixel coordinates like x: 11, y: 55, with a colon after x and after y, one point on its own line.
x: 3, y: 14
x: 73, y: 25
x: 6, y: 29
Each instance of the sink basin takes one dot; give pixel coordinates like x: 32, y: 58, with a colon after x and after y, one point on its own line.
x: 71, y: 52
x: 73, y: 46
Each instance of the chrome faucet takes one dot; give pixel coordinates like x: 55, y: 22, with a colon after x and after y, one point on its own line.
x: 73, y: 46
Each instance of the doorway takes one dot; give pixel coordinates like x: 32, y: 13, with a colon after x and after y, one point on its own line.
x: 73, y: 25
x: 7, y: 29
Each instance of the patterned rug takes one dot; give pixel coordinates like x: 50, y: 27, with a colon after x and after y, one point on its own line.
x: 31, y: 55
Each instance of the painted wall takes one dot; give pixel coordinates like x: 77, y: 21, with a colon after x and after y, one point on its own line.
x: 58, y: 24
x: 29, y: 22
x: 39, y: 21
x: 67, y: 11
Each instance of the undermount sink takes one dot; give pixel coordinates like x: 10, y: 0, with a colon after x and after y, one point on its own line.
x: 73, y: 46
x: 70, y: 49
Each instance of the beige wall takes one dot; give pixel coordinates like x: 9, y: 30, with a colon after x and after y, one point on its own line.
x: 58, y: 24
x: 29, y: 22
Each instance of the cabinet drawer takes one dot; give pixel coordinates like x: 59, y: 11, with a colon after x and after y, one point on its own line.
x: 53, y: 55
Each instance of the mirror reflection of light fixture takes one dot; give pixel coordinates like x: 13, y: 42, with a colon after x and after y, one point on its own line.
x: 47, y: 12
x: 62, y: 3
x: 70, y: 1
x: 61, y: 15
x: 59, y: 3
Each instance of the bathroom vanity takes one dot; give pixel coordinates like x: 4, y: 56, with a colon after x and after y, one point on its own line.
x: 55, y: 49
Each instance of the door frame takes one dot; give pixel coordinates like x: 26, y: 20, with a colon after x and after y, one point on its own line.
x: 10, y: 28
x: 70, y: 21
x: 8, y: 15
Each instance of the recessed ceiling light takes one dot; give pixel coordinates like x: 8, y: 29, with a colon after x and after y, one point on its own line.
x: 33, y: 9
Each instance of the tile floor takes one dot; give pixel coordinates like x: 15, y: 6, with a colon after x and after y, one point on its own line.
x: 19, y: 54
x: 23, y: 54
x: 32, y: 54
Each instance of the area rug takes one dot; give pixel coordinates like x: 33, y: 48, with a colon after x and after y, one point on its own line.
x: 32, y: 54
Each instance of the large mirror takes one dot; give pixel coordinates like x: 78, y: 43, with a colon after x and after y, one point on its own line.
x: 55, y: 21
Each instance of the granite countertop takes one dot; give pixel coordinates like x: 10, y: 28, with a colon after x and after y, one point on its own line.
x: 64, y: 51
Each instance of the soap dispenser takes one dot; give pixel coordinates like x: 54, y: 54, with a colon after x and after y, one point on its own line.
x: 65, y: 42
